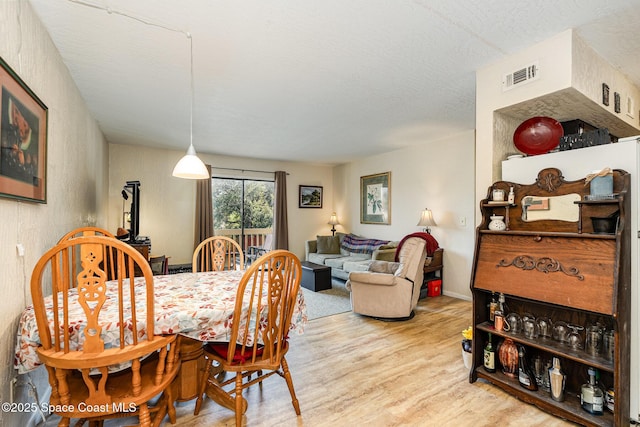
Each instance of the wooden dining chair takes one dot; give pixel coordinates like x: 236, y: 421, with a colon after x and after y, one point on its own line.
x: 269, y: 289
x: 217, y: 253
x: 159, y: 264
x: 86, y: 231
x: 108, y: 264
x: 81, y: 371
x: 254, y: 252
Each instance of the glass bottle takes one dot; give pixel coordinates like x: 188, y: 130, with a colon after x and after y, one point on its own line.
x: 502, y: 304
x: 526, y: 378
x: 493, y: 306
x: 511, y: 198
x: 592, y: 396
x: 489, y: 356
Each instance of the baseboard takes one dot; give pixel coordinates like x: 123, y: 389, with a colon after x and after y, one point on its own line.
x: 456, y: 295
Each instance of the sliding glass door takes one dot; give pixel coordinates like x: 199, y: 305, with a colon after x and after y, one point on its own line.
x: 243, y: 210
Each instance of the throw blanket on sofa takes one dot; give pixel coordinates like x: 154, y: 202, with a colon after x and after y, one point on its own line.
x: 431, y: 243
x: 361, y: 245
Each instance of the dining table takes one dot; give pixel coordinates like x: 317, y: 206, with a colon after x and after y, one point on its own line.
x: 197, y: 306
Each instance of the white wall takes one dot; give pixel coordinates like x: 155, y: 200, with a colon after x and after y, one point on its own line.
x: 439, y: 175
x: 554, y: 61
x: 76, y: 179
x: 167, y: 204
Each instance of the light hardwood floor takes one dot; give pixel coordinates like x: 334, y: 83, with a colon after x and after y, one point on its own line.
x: 350, y: 370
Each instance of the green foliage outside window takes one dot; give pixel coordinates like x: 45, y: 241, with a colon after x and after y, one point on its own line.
x: 228, y: 206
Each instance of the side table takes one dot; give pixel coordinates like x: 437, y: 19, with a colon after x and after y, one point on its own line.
x: 433, y: 271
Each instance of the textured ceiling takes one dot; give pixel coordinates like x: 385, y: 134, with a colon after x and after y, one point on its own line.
x: 323, y: 81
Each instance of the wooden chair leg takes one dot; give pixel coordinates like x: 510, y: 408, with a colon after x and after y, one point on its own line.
x: 287, y: 377
x: 203, y: 385
x: 171, y: 400
x: 239, y: 399
x: 143, y: 416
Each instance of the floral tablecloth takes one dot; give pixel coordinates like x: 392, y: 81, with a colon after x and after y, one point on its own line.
x: 197, y: 305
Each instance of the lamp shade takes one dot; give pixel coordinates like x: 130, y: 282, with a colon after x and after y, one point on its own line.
x: 426, y: 219
x: 190, y: 166
x: 333, y: 220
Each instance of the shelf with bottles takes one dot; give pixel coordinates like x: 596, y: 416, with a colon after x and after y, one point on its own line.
x: 569, y: 408
x: 550, y: 346
x: 554, y: 329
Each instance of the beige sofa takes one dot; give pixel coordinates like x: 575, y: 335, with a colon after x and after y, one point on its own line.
x: 390, y: 290
x: 345, y: 253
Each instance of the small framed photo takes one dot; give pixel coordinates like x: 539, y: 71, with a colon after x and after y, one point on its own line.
x: 375, y: 199
x: 310, y: 196
x: 23, y: 140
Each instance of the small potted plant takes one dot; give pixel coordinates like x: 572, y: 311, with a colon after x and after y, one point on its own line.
x: 467, y: 338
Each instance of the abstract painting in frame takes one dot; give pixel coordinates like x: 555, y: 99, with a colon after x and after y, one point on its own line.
x: 375, y: 198
x: 23, y: 140
x: 310, y: 196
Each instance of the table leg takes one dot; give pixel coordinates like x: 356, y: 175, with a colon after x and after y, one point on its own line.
x: 191, y: 369
x: 192, y: 366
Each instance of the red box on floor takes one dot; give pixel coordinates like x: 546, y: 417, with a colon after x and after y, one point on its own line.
x: 434, y: 288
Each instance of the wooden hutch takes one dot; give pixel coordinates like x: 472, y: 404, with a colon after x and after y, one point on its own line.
x: 559, y: 269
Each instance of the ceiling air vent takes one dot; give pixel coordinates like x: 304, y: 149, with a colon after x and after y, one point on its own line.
x: 520, y: 77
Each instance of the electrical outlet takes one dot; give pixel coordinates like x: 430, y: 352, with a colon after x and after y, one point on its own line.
x: 462, y: 221
x: 20, y: 249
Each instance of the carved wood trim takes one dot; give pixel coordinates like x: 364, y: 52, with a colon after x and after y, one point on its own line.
x: 550, y: 179
x: 543, y: 265
x: 91, y: 296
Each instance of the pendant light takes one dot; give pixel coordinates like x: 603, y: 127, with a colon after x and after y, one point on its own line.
x: 190, y: 166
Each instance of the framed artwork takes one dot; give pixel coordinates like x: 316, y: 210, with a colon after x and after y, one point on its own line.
x: 23, y: 140
x: 375, y: 198
x: 310, y: 196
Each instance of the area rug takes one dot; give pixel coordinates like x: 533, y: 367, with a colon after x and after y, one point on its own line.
x: 329, y: 302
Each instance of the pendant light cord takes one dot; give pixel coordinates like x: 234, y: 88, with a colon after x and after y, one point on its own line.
x: 192, y: 90
x: 135, y: 18
x: 194, y: 167
x: 155, y: 24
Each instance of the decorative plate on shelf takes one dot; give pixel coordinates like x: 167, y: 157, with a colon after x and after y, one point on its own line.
x: 538, y: 135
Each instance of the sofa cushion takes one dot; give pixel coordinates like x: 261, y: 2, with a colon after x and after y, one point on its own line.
x: 327, y: 244
x: 360, y: 245
x: 350, y: 266
x: 339, y: 262
x: 321, y: 258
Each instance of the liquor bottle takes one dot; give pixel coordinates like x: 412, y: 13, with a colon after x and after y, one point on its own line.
x: 591, y: 396
x: 489, y: 356
x: 526, y: 378
x: 511, y: 198
x: 493, y: 306
x: 502, y: 304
